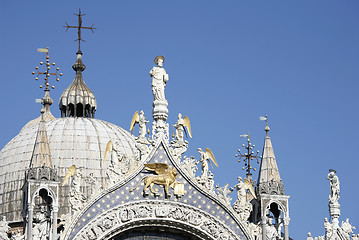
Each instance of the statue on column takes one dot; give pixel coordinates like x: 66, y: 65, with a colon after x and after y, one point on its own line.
x: 334, y: 186
x: 41, y: 228
x: 160, y: 111
x: 4, y: 228
x: 159, y: 80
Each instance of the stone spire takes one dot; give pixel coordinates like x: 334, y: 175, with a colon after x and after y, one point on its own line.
x: 269, y: 181
x: 78, y: 100
x: 41, y: 156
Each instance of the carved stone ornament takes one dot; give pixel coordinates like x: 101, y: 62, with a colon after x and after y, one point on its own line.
x: 4, y: 228
x: 223, y: 193
x: 154, y: 213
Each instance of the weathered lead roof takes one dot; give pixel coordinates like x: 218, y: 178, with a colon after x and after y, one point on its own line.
x: 78, y: 92
x: 269, y: 181
x: 80, y: 141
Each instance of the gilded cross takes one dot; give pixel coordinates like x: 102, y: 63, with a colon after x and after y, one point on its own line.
x: 248, y: 156
x: 47, y: 73
x: 79, y: 27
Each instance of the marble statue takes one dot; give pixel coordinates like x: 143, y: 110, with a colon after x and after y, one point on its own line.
x: 204, y: 159
x: 142, y: 125
x: 77, y: 197
x: 159, y: 80
x: 309, y: 236
x: 241, y: 192
x: 95, y: 185
x: 180, y: 127
x: 255, y: 231
x: 271, y: 231
x: 328, y: 227
x: 347, y: 228
x: 41, y: 229
x: 334, y: 186
x: 17, y: 235
x: 4, y: 228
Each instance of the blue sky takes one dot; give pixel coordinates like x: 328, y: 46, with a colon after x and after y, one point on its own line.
x: 229, y: 62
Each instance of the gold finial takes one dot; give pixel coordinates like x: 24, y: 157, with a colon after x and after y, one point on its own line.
x: 248, y: 156
x: 79, y: 27
x: 47, y: 73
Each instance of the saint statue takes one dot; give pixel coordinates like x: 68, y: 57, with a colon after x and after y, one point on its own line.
x: 159, y: 80
x: 334, y: 186
x: 42, y: 225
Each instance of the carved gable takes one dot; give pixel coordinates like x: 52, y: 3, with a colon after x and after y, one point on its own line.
x: 187, y: 205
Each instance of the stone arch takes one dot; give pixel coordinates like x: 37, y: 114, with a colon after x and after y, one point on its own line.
x: 146, y: 214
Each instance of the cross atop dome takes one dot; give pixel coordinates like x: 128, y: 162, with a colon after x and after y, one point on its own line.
x: 79, y: 27
x: 78, y: 100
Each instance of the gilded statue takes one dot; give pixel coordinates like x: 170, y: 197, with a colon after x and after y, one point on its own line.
x: 204, y: 159
x: 166, y: 177
x: 141, y: 120
x: 180, y: 126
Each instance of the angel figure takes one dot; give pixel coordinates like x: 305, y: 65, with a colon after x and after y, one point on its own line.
x: 347, y: 228
x: 180, y: 128
x: 205, y: 158
x: 141, y: 120
x: 242, y: 188
x: 77, y: 198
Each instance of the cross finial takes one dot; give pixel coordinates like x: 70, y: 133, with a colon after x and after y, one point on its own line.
x: 47, y: 73
x: 79, y: 27
x: 248, y: 156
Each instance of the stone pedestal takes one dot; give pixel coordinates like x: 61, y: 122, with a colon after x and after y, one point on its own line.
x: 334, y: 211
x: 160, y: 110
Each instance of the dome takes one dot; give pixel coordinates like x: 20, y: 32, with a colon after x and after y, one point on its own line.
x: 73, y: 141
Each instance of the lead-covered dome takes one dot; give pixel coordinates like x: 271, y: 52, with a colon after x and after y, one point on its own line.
x: 78, y: 141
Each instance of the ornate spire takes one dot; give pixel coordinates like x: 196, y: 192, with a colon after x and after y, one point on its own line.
x: 41, y: 156
x: 78, y: 100
x: 269, y: 181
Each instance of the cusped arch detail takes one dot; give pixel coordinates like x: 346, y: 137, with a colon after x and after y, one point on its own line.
x: 153, y: 213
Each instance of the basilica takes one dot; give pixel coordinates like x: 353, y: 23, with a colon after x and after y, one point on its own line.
x: 78, y: 177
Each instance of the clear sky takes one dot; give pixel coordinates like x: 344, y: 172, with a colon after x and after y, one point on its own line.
x: 229, y: 62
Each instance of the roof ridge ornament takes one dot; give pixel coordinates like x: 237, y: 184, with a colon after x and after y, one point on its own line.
x: 46, y: 101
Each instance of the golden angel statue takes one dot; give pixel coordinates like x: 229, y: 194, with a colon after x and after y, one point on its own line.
x: 180, y: 126
x: 204, y: 159
x: 141, y: 120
